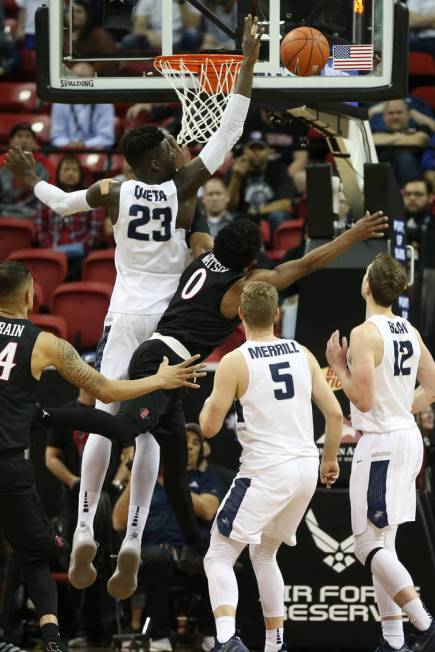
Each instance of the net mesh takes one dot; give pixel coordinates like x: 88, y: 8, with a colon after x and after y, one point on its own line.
x: 203, y: 84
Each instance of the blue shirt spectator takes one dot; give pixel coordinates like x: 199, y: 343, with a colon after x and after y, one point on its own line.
x: 88, y: 126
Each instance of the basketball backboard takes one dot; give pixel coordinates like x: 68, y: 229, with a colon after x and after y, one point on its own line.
x: 127, y: 73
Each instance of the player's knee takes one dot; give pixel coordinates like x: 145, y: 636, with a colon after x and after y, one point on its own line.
x: 365, y: 550
x: 264, y: 553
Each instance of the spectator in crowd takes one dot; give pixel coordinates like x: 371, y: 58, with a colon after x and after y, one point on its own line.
x: 215, y: 38
x: 9, y: 57
x: 162, y: 541
x: 417, y: 198
x: 16, y: 199
x: 26, y: 22
x: 74, y: 235
x: 90, y: 40
x: 83, y: 126
x: 428, y: 162
x: 400, y: 144
x: 215, y: 204
x: 147, y: 27
x: 422, y: 25
x: 162, y: 114
x: 63, y: 457
x: 259, y: 187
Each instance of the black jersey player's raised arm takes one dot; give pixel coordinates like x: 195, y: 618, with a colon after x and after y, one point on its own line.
x: 202, y: 313
x: 25, y: 351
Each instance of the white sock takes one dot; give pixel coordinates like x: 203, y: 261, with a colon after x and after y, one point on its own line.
x: 137, y: 517
x: 392, y: 631
x: 417, y: 614
x: 225, y: 628
x: 274, y: 639
x: 88, y: 503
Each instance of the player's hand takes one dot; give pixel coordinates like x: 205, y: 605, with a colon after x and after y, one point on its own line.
x: 182, y: 153
x: 329, y: 472
x: 251, y: 40
x: 20, y: 163
x: 178, y: 375
x: 336, y: 352
x: 370, y: 226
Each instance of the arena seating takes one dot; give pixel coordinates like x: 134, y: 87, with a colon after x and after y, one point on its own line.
x: 289, y: 234
x: 84, y: 306
x: 38, y: 299
x: 52, y: 323
x: 48, y: 267
x: 40, y: 125
x: 100, y: 266
x: 426, y: 93
x: 18, y: 96
x: 15, y: 234
x: 421, y: 64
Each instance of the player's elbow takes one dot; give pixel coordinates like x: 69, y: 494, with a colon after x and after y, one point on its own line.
x: 209, y: 429
x: 106, y: 392
x: 364, y: 404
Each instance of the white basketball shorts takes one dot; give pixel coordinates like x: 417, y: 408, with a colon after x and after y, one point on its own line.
x: 382, y: 481
x: 271, y: 502
x: 122, y: 335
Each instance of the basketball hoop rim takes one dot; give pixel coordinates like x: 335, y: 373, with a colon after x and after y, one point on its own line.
x: 195, y: 62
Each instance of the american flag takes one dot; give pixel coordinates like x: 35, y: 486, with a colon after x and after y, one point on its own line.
x: 352, y: 57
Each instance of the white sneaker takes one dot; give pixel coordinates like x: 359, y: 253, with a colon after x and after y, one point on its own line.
x: 208, y: 643
x: 79, y: 641
x: 81, y: 571
x: 160, y: 645
x: 123, y: 582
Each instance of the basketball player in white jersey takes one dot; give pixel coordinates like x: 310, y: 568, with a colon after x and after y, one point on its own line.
x: 273, y: 381
x: 386, y: 355
x: 150, y: 257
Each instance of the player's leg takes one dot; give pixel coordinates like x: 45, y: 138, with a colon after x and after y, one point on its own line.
x: 222, y: 586
x: 271, y: 589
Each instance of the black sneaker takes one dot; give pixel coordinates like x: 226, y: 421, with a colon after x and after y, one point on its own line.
x: 422, y: 641
x: 386, y: 647
x: 234, y: 644
x: 54, y: 645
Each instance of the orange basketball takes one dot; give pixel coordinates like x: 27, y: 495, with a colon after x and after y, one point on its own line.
x: 304, y: 51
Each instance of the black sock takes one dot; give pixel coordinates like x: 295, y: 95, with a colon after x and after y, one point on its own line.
x: 50, y: 631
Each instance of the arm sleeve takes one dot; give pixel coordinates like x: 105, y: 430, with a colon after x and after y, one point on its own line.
x: 228, y: 133
x: 62, y: 203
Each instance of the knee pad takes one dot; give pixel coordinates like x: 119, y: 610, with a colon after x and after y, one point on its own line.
x: 365, y: 552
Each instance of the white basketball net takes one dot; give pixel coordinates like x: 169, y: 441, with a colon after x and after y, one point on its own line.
x: 202, y: 105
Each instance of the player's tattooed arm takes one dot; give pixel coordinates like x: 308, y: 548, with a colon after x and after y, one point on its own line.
x: 105, y: 194
x: 71, y: 366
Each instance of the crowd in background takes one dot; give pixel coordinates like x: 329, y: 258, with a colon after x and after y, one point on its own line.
x: 264, y: 179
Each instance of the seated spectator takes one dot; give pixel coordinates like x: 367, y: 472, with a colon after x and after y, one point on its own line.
x: 90, y: 40
x: 422, y: 25
x: 259, y: 187
x: 147, y: 27
x: 215, y: 205
x: 400, y: 144
x: 165, y: 115
x: 74, y: 235
x: 162, y: 542
x: 26, y: 22
x: 83, y: 126
x: 215, y: 38
x: 9, y: 57
x: 420, y: 223
x: 428, y: 162
x: 16, y: 199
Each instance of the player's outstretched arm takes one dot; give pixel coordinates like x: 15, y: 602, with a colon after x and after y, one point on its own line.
x: 224, y: 392
x: 195, y: 174
x: 51, y: 350
x: 369, y: 226
x: 359, y: 386
x: 324, y: 398
x: 425, y: 394
x: 103, y: 194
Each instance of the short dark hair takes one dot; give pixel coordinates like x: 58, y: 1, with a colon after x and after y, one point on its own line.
x: 426, y: 182
x: 21, y: 126
x: 238, y: 244
x: 137, y: 144
x: 387, y: 279
x: 13, y: 274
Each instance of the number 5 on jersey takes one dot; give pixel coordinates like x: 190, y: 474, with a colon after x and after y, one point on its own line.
x: 279, y: 375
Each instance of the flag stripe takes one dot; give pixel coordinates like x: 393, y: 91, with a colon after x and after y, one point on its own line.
x: 353, y: 57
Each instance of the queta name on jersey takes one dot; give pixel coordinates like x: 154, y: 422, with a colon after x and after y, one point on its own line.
x: 13, y: 330
x: 270, y: 350
x: 149, y: 194
x: 398, y: 328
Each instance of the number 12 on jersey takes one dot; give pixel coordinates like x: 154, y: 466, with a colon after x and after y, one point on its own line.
x: 279, y: 375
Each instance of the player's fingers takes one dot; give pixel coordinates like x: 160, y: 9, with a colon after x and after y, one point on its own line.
x: 165, y: 360
x: 193, y: 374
x: 190, y: 361
x: 191, y: 385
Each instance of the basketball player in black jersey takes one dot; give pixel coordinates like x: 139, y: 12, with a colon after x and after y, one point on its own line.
x: 202, y: 313
x: 25, y: 351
